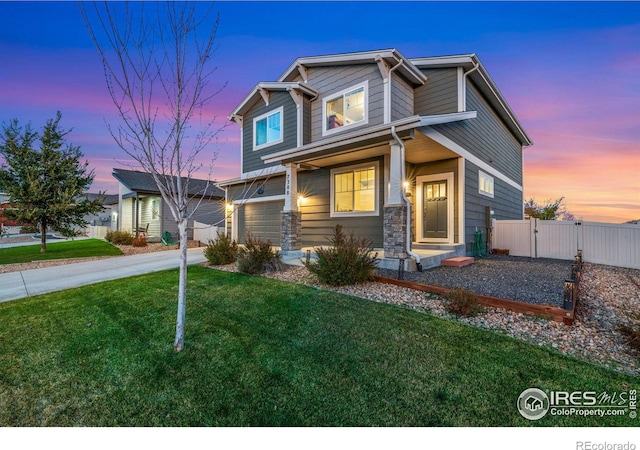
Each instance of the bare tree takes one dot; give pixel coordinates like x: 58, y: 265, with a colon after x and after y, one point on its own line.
x: 157, y: 61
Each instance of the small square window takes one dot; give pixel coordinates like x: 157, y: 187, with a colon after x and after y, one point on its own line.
x: 345, y: 108
x: 267, y: 129
x: 485, y: 184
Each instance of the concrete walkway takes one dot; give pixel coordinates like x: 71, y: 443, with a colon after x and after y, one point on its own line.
x: 27, y: 283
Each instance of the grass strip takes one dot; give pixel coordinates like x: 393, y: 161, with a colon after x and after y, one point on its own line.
x: 58, y: 250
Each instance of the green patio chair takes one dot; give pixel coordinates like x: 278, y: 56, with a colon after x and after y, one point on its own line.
x: 167, y: 239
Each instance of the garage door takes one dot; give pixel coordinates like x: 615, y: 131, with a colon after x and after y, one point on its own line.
x: 262, y: 220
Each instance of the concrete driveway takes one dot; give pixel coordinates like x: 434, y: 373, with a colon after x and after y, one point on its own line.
x: 15, y: 285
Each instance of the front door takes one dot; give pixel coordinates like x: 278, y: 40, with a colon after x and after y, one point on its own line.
x: 435, y: 210
x: 435, y: 201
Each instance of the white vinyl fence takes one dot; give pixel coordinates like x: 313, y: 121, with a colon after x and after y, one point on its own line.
x: 203, y: 232
x: 97, y: 231
x: 601, y: 243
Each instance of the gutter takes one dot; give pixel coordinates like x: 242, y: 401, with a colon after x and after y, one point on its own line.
x: 406, y: 200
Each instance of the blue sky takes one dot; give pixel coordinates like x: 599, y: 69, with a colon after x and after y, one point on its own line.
x: 569, y: 70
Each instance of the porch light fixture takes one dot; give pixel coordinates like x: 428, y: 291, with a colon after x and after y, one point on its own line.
x: 229, y: 207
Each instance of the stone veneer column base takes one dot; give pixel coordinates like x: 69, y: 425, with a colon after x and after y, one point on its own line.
x: 290, y: 230
x: 395, y: 231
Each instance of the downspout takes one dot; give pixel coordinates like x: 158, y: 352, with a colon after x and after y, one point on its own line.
x: 475, y: 67
x: 464, y: 82
x: 406, y: 200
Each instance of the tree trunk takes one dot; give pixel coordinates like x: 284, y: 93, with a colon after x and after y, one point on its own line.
x: 178, y: 345
x: 43, y: 236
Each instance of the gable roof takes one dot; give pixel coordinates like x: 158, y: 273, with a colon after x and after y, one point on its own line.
x: 391, y: 56
x: 261, y: 90
x: 142, y: 182
x: 480, y: 77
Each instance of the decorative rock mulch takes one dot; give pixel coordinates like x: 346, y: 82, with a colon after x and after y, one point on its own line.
x: 608, y: 297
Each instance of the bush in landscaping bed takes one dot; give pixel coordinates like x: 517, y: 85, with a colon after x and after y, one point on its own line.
x: 257, y: 256
x: 223, y: 250
x: 119, y: 238
x: 140, y: 241
x: 631, y: 331
x: 462, y: 302
x: 347, y: 261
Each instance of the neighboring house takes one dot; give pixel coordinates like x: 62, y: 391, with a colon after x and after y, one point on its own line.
x: 407, y: 152
x: 140, y: 204
x: 103, y: 218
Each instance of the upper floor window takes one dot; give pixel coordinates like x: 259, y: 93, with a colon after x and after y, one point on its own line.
x: 354, y: 190
x: 345, y: 108
x: 267, y: 129
x: 485, y: 184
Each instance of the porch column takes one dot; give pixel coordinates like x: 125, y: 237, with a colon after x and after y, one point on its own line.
x: 291, y: 218
x: 137, y: 221
x: 395, y: 211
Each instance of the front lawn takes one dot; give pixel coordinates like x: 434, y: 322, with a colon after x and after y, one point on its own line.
x: 58, y: 250
x: 261, y: 352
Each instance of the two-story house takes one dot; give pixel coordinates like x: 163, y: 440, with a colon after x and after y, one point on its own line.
x: 407, y: 152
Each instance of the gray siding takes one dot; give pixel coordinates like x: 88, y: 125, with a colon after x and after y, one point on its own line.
x: 486, y: 137
x: 317, y: 224
x: 432, y: 168
x: 330, y: 80
x: 251, y: 159
x: 244, y: 191
x: 401, y: 98
x: 439, y: 95
x: 507, y: 203
x: 306, y: 121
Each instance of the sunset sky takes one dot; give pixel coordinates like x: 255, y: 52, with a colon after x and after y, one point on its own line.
x: 570, y: 71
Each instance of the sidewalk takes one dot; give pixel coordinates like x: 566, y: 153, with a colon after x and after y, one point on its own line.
x: 27, y: 283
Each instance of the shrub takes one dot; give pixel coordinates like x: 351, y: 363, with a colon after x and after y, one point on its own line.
x: 631, y: 331
x: 119, y: 237
x: 462, y: 302
x: 140, y: 241
x: 347, y: 261
x: 256, y: 256
x: 29, y: 229
x: 223, y: 250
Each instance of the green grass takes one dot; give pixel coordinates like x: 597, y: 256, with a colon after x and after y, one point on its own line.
x: 265, y: 353
x: 58, y: 250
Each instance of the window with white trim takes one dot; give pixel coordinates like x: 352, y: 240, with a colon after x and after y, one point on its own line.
x: 485, y: 184
x: 354, y: 190
x: 345, y: 108
x: 267, y: 129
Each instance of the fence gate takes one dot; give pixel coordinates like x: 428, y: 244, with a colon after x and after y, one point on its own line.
x: 556, y: 239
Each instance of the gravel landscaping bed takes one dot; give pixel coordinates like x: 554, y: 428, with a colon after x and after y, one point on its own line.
x: 537, y: 281
x: 608, y: 296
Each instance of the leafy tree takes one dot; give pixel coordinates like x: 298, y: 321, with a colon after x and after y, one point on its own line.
x: 550, y: 210
x: 45, y: 184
